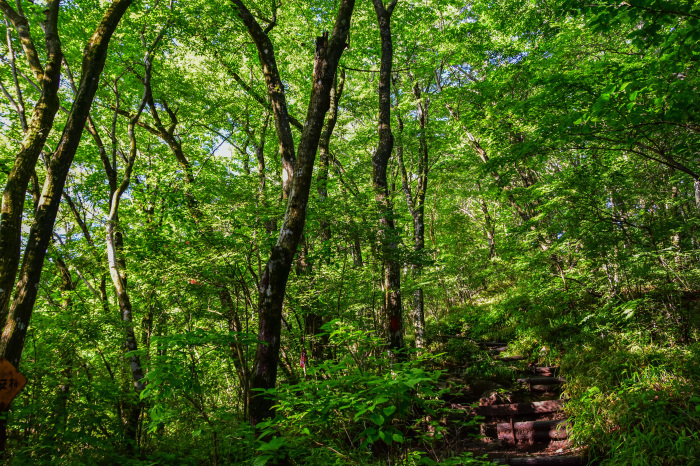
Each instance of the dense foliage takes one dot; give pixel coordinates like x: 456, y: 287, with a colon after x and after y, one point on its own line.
x: 543, y: 188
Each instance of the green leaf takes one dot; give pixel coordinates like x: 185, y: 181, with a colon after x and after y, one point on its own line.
x: 273, y: 445
x: 377, y: 418
x: 262, y: 460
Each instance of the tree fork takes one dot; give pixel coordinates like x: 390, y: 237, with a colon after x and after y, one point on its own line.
x: 274, y: 278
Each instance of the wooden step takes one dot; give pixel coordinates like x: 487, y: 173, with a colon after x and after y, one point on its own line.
x: 530, y: 430
x: 543, y: 461
x: 540, y: 388
x: 510, y: 358
x: 492, y: 344
x: 498, y: 350
x: 542, y: 380
x: 533, y: 437
x: 551, y: 371
x: 538, y: 407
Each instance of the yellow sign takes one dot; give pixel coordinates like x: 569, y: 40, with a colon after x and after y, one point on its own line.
x: 11, y: 383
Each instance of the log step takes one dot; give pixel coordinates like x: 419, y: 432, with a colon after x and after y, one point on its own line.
x: 492, y: 344
x: 549, y: 388
x: 526, y: 426
x: 555, y: 429
x: 498, y: 350
x: 545, y: 371
x: 534, y: 437
x: 510, y: 358
x: 542, y: 380
x: 538, y: 407
x: 543, y: 461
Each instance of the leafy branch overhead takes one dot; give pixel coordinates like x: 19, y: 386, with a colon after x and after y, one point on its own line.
x: 315, y: 232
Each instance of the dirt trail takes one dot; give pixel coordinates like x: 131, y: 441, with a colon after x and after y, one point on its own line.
x: 522, y: 424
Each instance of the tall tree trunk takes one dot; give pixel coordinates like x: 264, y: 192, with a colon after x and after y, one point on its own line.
x: 16, y: 321
x: 312, y: 320
x: 114, y: 243
x: 274, y: 278
x: 380, y: 161
x: 34, y: 139
x: 275, y: 91
x: 416, y: 206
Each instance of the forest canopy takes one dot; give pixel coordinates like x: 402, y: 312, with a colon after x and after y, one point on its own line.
x: 272, y: 232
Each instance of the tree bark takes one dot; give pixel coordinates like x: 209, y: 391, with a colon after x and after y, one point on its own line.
x: 380, y: 161
x: 274, y: 278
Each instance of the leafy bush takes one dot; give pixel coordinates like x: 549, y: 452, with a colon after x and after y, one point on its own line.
x: 355, y: 408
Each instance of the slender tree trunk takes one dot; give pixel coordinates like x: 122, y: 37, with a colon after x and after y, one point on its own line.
x: 115, y: 259
x: 237, y: 350
x: 324, y: 156
x: 380, y: 161
x: 274, y: 278
x: 68, y: 286
x: 312, y: 320
x: 117, y: 271
x: 418, y: 214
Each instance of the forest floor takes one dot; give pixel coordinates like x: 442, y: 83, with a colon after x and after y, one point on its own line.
x: 520, y: 418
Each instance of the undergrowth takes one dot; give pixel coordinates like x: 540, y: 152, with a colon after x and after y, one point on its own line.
x: 634, y: 402
x: 360, y: 408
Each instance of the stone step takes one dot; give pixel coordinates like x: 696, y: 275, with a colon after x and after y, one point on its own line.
x: 549, y: 390
x: 533, y: 437
x: 544, y: 379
